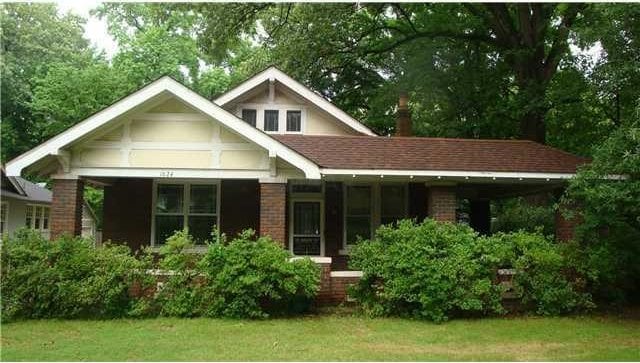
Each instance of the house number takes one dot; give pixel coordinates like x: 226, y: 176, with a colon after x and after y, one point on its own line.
x: 166, y: 174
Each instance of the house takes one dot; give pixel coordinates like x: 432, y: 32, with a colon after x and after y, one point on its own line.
x: 273, y: 155
x: 26, y: 204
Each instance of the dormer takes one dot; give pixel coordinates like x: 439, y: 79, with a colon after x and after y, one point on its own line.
x: 277, y: 104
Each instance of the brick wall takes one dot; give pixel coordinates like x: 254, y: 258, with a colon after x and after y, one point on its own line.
x: 273, y: 205
x: 66, y: 207
x: 127, y: 212
x: 442, y: 203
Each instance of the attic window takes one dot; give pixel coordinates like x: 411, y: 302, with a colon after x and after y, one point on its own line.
x: 249, y: 116
x: 294, y: 121
x: 271, y: 120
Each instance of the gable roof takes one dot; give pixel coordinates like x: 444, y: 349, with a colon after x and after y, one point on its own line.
x: 164, y: 84
x: 273, y: 73
x: 20, y: 188
x: 433, y: 154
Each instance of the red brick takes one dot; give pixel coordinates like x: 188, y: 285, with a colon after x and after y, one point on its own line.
x: 273, y: 210
x: 66, y: 207
x: 442, y: 203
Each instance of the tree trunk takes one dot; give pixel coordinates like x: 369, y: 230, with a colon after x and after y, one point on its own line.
x: 532, y: 126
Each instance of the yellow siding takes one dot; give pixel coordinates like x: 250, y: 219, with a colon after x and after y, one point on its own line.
x: 170, y: 159
x: 173, y: 105
x: 243, y: 159
x: 96, y: 158
x: 114, y: 135
x: 167, y: 131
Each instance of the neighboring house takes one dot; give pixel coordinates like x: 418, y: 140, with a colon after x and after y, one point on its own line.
x: 274, y: 156
x: 24, y: 203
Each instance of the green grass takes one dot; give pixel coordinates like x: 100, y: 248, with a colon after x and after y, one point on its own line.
x: 331, y: 338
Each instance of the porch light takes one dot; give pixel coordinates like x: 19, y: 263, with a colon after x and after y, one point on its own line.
x: 353, y: 176
x: 520, y: 179
x: 494, y: 178
x: 547, y: 179
x: 410, y: 176
x: 439, y: 177
x: 466, y: 178
x: 381, y: 176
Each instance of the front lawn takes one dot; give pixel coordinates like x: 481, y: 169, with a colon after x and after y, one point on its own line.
x: 324, y: 338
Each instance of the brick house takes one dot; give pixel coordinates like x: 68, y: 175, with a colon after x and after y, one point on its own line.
x: 274, y: 156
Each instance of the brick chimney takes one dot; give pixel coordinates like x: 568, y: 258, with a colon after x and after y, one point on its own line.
x: 403, y: 118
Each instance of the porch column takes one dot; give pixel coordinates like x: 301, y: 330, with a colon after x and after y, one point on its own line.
x: 480, y: 218
x: 273, y: 211
x: 441, y: 203
x: 66, y: 207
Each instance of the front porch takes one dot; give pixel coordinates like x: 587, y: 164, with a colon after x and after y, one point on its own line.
x: 321, y: 218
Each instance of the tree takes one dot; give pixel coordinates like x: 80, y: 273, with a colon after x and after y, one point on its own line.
x: 347, y: 49
x: 34, y: 37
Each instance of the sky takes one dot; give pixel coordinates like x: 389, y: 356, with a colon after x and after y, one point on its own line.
x: 95, y: 29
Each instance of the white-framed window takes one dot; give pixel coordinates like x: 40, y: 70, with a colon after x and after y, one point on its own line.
x: 37, y: 217
x: 358, y: 213
x: 179, y: 205
x: 294, y: 121
x: 4, y: 217
x: 367, y: 206
x: 274, y: 118
x: 271, y: 120
x: 249, y: 115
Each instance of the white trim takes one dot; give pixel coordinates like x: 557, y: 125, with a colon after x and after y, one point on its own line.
x: 42, y: 207
x: 161, y: 86
x: 300, y: 89
x: 186, y: 190
x: 447, y: 173
x: 164, y: 173
x: 346, y: 274
x: 316, y: 259
x: 260, y: 109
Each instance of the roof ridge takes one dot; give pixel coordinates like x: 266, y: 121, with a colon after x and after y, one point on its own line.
x: 457, y: 139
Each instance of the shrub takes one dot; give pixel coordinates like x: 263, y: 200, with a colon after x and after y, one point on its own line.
x: 178, y: 293
x: 516, y: 214
x: 66, y: 278
x: 253, y: 278
x: 543, y: 275
x: 429, y: 270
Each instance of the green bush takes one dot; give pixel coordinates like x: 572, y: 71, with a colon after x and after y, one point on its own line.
x: 544, y: 277
x: 253, y: 278
x: 178, y: 294
x: 516, y: 214
x: 429, y: 270
x: 66, y: 278
x: 438, y: 270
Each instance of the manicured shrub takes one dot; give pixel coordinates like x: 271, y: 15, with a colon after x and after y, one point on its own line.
x: 544, y: 277
x: 254, y: 278
x: 428, y: 270
x: 66, y: 278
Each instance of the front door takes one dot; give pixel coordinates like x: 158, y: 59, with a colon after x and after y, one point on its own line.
x: 306, y: 234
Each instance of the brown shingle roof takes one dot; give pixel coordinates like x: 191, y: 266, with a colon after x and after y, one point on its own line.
x: 422, y: 153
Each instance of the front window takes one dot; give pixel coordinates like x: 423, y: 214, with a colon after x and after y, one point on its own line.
x: 358, y: 213
x: 271, y: 120
x: 186, y: 205
x: 249, y: 116
x: 294, y: 123
x: 37, y: 217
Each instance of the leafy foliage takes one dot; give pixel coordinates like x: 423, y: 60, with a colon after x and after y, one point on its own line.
x: 66, y: 278
x: 438, y: 270
x: 429, y: 270
x: 515, y: 214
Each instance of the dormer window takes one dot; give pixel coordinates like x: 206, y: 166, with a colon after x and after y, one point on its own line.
x: 271, y: 120
x: 249, y: 116
x: 294, y: 121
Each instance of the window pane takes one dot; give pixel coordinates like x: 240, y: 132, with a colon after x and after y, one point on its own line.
x: 169, y: 198
x: 306, y: 218
x: 45, y: 218
x: 166, y: 226
x: 202, y: 199
x: 28, y: 216
x: 358, y: 200
x: 271, y: 120
x: 358, y: 226
x: 293, y: 120
x: 38, y: 218
x: 200, y: 228
x: 249, y: 116
x: 392, y: 201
